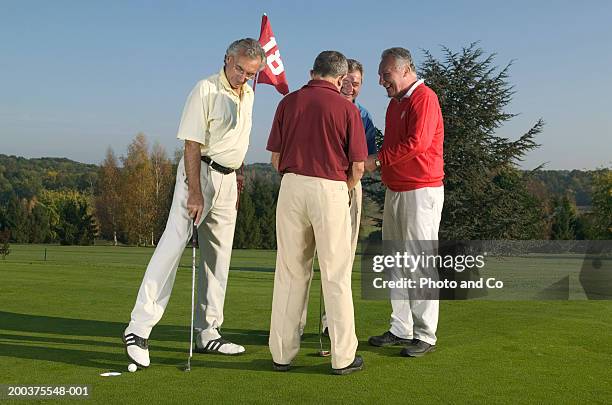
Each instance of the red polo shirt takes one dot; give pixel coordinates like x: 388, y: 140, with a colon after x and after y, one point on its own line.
x: 317, y: 132
x: 411, y: 154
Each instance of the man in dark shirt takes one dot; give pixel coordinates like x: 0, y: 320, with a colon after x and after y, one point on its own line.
x: 318, y: 144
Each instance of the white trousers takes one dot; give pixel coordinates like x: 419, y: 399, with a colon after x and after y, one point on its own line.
x: 215, y: 237
x: 413, y: 215
x: 312, y: 213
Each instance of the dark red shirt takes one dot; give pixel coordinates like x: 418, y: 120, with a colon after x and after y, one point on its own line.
x: 317, y: 132
x: 411, y: 154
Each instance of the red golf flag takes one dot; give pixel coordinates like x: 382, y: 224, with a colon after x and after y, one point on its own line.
x: 274, y: 73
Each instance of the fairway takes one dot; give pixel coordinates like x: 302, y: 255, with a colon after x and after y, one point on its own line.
x: 61, y: 321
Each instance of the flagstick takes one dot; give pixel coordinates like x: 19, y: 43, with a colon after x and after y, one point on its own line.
x: 255, y: 81
x: 257, y: 74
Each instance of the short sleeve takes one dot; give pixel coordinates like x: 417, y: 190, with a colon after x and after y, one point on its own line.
x: 194, y: 121
x: 275, y: 139
x: 357, y: 148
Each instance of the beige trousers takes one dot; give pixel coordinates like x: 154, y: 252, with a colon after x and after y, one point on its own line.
x: 413, y: 215
x: 312, y: 213
x: 215, y: 236
x: 355, y: 197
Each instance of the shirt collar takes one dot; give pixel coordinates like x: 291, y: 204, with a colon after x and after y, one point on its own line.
x: 322, y: 83
x: 226, y: 84
x: 413, y: 87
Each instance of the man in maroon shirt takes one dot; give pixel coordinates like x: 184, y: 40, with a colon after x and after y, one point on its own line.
x: 411, y: 165
x: 318, y: 144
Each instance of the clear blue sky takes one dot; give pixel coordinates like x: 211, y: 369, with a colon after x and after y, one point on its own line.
x: 79, y: 76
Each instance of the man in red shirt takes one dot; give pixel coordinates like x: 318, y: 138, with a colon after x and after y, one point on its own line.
x: 318, y: 144
x: 411, y: 164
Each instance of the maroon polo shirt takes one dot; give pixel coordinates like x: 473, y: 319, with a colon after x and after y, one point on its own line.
x: 317, y: 132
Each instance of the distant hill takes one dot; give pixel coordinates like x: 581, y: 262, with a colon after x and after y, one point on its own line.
x: 27, y: 177
x: 574, y: 183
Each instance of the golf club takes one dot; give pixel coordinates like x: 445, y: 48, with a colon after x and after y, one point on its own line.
x: 193, y: 271
x: 322, y: 353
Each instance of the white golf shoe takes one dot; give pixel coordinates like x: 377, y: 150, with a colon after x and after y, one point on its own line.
x: 219, y: 346
x: 137, y: 349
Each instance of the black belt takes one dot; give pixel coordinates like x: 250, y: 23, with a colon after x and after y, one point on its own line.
x: 216, y: 166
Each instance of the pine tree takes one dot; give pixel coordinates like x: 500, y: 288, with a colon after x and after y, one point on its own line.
x: 564, y: 217
x: 265, y: 194
x: 602, y: 205
x: 247, y: 234
x: 486, y: 195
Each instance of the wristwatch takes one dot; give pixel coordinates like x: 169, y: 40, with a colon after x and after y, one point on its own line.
x: 377, y: 163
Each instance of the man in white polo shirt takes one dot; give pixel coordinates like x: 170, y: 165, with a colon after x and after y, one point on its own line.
x: 215, y: 125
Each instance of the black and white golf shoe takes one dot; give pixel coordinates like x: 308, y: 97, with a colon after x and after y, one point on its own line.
x: 219, y: 346
x: 137, y: 349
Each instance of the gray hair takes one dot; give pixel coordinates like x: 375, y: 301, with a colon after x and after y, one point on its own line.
x: 330, y: 64
x: 354, y: 66
x: 248, y: 47
x: 401, y: 55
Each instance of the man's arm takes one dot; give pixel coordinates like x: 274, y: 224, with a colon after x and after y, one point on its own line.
x: 370, y: 132
x: 275, y: 160
x: 422, y: 124
x: 370, y: 163
x: 195, y: 200
x: 355, y: 174
x: 275, y: 140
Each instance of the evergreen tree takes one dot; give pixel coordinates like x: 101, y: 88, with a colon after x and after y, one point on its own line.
x: 17, y: 220
x: 602, y: 205
x: 486, y: 195
x: 247, y: 234
x: 265, y: 194
x: 563, y: 226
x: 39, y: 224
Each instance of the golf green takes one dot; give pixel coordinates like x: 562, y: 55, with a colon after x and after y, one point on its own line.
x: 61, y: 321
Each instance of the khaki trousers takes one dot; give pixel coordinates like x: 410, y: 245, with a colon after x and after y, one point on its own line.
x: 413, y: 215
x: 355, y: 197
x: 312, y: 213
x: 215, y: 236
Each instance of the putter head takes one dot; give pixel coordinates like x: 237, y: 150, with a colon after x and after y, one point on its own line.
x: 324, y: 353
x: 187, y: 366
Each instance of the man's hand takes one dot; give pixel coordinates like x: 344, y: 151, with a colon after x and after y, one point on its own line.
x: 355, y: 173
x: 370, y: 164
x: 195, y: 205
x: 195, y: 200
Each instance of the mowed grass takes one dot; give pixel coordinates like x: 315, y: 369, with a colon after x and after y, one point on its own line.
x: 60, y: 322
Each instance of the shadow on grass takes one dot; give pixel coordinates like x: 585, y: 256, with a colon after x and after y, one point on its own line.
x: 10, y: 321
x: 28, y: 344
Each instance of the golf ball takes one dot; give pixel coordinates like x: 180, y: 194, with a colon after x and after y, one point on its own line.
x: 132, y: 367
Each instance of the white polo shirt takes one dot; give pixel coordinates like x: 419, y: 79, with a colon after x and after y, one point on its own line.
x: 219, y: 120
